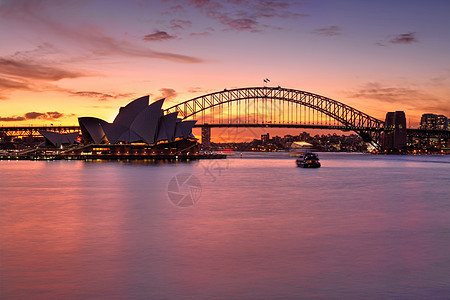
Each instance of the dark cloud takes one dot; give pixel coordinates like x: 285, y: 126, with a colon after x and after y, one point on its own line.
x: 405, y: 38
x: 328, y: 31
x: 35, y: 70
x: 14, y: 84
x: 51, y: 115
x: 25, y: 71
x: 158, y: 36
x: 272, y: 9
x: 12, y: 119
x: 242, y: 15
x: 11, y: 84
x: 99, y: 96
x: 54, y: 115
x: 35, y: 115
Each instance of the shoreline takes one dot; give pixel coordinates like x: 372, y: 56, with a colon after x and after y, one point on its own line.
x: 87, y: 157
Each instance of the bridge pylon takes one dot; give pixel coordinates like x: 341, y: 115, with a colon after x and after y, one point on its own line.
x: 206, y: 137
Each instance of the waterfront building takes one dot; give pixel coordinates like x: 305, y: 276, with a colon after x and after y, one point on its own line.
x: 432, y: 121
x: 265, y: 138
x: 139, y: 123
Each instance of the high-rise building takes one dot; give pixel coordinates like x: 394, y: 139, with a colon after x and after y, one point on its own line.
x: 428, y: 121
x: 265, y: 138
x: 441, y: 122
x: 432, y: 121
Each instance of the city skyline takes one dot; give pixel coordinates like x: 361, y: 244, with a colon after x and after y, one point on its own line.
x: 75, y: 58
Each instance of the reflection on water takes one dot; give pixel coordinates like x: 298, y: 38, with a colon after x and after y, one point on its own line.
x: 361, y: 226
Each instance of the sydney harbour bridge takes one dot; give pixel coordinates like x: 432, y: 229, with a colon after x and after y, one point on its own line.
x: 270, y: 107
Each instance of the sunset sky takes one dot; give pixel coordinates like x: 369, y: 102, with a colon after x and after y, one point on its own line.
x: 60, y: 60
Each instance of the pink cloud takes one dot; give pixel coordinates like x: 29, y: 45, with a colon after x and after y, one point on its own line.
x: 88, y: 37
x: 168, y: 93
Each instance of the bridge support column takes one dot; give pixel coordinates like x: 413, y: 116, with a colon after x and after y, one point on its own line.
x: 206, y: 137
x: 395, y: 139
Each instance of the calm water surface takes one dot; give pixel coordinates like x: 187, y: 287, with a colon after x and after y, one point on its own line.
x: 256, y: 227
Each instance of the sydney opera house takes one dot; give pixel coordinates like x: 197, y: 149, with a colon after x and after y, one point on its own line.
x: 138, y: 129
x: 138, y: 122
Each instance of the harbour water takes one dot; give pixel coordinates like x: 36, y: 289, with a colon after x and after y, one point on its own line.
x: 257, y: 227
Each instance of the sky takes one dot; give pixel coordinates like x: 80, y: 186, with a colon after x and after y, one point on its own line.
x: 60, y: 60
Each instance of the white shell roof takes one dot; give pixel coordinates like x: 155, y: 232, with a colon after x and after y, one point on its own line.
x: 167, y: 127
x: 57, y: 139
x: 146, y: 123
x: 128, y: 114
x: 113, y: 131
x: 137, y: 122
x: 184, y: 129
x: 94, y: 128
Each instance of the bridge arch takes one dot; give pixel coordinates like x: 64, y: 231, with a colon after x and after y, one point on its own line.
x: 366, y: 126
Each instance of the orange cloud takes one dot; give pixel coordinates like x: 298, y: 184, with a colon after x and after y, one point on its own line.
x: 51, y: 115
x: 168, y: 93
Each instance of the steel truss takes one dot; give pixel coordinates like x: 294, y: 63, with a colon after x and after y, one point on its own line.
x: 278, y: 106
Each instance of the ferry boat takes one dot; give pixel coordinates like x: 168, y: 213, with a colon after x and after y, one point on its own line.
x: 308, y: 160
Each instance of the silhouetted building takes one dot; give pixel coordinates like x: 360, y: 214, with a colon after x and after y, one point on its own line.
x: 442, y: 122
x: 265, y: 138
x: 206, y: 137
x: 57, y: 139
x: 395, y: 139
x: 138, y: 122
x: 432, y: 121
